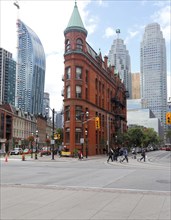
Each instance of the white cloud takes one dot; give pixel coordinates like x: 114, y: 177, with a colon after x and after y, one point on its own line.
x: 160, y: 3
x: 102, y: 3
x: 163, y: 17
x: 131, y: 35
x: 143, y: 3
x: 109, y: 32
x: 47, y: 19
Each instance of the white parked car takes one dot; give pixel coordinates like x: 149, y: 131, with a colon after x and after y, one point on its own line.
x: 16, y: 151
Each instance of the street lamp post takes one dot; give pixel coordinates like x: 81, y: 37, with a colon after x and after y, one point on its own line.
x: 53, y: 132
x: 32, y: 145
x: 36, y: 144
x: 86, y: 134
x: 83, y: 114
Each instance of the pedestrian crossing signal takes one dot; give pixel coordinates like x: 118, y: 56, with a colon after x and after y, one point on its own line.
x: 168, y: 118
x: 97, y: 122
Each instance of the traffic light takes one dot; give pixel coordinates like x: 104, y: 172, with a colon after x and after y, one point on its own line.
x: 57, y: 136
x: 97, y: 122
x: 168, y: 118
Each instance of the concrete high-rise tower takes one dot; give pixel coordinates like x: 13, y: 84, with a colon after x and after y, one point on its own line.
x: 135, y: 86
x: 120, y: 58
x: 153, y: 71
x: 46, y: 104
x: 30, y: 70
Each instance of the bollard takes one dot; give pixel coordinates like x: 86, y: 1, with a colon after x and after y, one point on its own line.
x: 6, y: 158
x: 23, y: 157
x: 35, y: 156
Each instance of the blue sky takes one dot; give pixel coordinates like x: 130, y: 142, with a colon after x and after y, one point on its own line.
x: 48, y: 19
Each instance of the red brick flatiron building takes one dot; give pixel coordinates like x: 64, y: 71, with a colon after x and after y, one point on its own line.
x: 94, y: 96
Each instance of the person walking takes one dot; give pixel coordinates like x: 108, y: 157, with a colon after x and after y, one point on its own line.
x: 143, y: 155
x: 125, y: 155
x: 110, y: 155
x: 80, y: 155
x: 116, y: 154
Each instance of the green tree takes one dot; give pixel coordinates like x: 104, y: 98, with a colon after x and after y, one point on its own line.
x: 150, y: 137
x: 60, y: 140
x: 139, y: 136
x: 168, y: 135
x: 135, y: 136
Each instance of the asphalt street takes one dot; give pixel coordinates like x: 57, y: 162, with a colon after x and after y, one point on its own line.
x: 66, y: 188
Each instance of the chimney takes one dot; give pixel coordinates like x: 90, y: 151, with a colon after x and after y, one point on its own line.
x: 105, y: 61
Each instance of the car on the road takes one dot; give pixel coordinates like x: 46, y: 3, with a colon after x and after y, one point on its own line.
x: 27, y: 151
x: 45, y: 151
x: 16, y: 151
x: 168, y: 148
x: 136, y: 150
x: 2, y: 152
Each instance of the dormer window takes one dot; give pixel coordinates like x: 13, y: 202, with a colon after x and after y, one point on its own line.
x: 79, y: 45
x: 67, y: 45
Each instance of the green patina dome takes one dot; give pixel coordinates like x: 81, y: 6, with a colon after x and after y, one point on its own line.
x: 75, y: 22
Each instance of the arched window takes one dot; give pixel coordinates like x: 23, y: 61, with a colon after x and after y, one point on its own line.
x: 68, y: 92
x: 78, y: 91
x: 79, y: 45
x: 67, y: 45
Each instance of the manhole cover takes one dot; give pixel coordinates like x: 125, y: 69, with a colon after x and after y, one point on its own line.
x: 163, y: 181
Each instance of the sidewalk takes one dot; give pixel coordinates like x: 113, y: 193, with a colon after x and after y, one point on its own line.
x: 132, y: 162
x: 135, y: 162
x: 48, y: 158
x: 27, y: 202
x: 51, y: 202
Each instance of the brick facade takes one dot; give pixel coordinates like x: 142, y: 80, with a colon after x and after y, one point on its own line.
x: 90, y: 85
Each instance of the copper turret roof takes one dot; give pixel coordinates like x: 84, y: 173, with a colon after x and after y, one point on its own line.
x: 75, y: 22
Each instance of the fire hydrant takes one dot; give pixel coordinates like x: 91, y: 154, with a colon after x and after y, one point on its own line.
x: 23, y: 157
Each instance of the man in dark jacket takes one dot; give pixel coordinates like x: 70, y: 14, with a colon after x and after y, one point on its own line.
x: 110, y: 155
x: 125, y: 154
x: 143, y: 155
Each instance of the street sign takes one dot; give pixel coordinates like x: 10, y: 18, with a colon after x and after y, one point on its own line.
x: 81, y: 140
x: 52, y: 141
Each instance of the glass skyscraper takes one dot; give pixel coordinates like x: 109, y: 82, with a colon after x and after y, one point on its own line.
x: 153, y: 72
x: 7, y: 77
x: 120, y: 58
x: 30, y: 71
